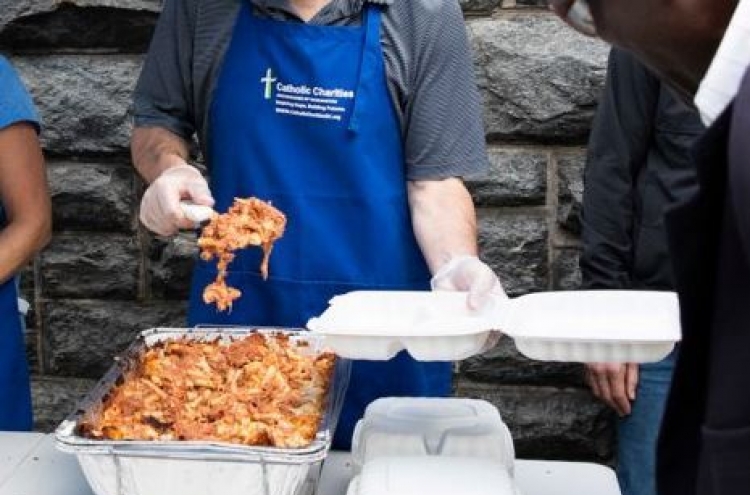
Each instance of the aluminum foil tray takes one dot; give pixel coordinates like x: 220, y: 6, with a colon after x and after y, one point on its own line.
x: 198, y: 468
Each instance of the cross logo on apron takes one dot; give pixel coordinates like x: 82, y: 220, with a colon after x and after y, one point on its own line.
x: 268, y: 80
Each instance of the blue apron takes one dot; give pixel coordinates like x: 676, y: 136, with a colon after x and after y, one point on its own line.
x: 15, y: 395
x: 301, y: 116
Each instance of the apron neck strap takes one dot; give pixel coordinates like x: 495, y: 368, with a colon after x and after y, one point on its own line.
x: 371, y: 21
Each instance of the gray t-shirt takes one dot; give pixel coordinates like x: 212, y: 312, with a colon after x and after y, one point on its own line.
x: 428, y: 65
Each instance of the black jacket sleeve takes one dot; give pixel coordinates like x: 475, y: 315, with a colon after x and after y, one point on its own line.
x: 740, y: 182
x: 618, y: 149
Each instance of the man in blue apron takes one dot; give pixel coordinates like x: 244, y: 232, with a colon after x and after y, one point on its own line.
x: 26, y: 224
x: 357, y: 120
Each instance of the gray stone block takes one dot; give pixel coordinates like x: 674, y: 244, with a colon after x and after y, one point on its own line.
x: 504, y: 365
x: 26, y: 282
x: 570, y: 203
x: 566, y: 271
x: 517, y: 176
x: 92, y: 196
x: 54, y: 398
x: 540, y: 79
x: 52, y: 24
x: 550, y: 423
x: 31, y: 339
x: 172, y: 266
x: 515, y: 246
x: 83, y: 100
x: 82, y: 337
x: 80, y: 266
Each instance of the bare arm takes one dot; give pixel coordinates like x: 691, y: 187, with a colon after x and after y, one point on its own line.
x: 155, y: 149
x: 445, y: 226
x: 25, y: 197
x: 444, y: 220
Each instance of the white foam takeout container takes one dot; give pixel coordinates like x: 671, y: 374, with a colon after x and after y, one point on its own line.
x: 450, y: 427
x: 433, y: 475
x: 573, y: 326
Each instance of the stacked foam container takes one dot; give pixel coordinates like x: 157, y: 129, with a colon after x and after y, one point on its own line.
x: 405, y: 446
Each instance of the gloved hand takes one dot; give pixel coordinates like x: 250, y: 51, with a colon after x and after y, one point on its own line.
x: 160, y: 208
x: 469, y: 274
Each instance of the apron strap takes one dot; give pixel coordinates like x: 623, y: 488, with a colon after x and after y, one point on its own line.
x: 372, y: 16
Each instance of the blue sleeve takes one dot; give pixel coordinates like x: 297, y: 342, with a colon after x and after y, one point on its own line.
x: 15, y: 102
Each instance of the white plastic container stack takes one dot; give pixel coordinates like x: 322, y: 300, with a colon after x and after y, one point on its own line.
x: 418, y: 445
x: 433, y: 476
x: 432, y: 427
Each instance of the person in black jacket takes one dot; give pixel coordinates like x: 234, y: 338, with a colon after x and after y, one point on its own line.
x: 638, y: 163
x: 702, y: 47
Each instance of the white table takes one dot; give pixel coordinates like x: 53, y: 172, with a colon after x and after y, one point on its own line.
x: 31, y: 465
x: 14, y: 449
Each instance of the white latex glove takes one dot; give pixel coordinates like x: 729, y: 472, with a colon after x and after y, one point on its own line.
x: 161, y: 212
x: 469, y: 274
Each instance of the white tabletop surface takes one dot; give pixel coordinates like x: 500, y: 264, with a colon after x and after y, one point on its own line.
x: 14, y: 447
x: 31, y: 465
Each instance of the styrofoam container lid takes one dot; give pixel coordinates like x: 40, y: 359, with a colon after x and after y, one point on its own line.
x: 604, y: 315
x: 432, y: 475
x: 594, y: 326
x: 458, y: 427
x: 585, y: 326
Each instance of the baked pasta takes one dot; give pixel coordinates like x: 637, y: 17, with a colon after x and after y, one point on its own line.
x: 261, y: 390
x: 249, y: 222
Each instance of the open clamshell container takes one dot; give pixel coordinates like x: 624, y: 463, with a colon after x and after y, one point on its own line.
x: 199, y: 468
x: 575, y: 326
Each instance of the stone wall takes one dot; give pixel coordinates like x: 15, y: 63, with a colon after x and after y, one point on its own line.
x: 103, y: 278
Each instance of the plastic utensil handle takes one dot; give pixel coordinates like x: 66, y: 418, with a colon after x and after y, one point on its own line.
x: 197, y: 213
